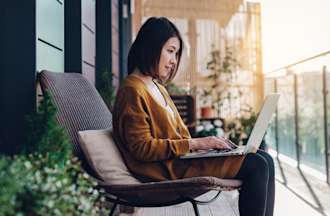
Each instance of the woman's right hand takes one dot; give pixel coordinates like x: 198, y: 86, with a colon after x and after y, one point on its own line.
x: 211, y: 142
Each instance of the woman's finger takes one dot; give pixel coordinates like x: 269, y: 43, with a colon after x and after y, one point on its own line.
x: 228, y: 141
x: 224, y: 145
x: 231, y: 143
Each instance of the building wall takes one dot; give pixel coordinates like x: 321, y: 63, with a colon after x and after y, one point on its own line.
x: 88, y: 39
x: 125, y: 9
x: 56, y: 35
x: 115, y: 42
x: 50, y: 35
x: 17, y: 70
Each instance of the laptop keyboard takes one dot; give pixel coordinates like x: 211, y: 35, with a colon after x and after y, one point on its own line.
x: 220, y: 150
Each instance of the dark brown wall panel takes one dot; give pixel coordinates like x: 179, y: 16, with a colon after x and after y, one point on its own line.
x: 88, y: 39
x: 17, y: 70
x: 115, y: 42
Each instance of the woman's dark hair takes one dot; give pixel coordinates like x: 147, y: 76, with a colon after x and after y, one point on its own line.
x: 145, y: 51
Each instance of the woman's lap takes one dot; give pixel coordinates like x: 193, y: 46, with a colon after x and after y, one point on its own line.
x: 229, y: 167
x: 221, y: 167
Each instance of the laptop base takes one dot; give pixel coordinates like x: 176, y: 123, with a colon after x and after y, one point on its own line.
x: 215, y: 153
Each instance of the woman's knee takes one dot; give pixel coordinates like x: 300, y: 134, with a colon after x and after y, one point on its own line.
x: 270, y: 162
x: 256, y: 163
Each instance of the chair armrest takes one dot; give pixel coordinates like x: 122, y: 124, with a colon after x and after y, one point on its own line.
x: 207, y: 182
x: 165, y: 191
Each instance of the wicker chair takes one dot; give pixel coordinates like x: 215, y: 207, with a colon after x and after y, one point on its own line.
x: 80, y: 107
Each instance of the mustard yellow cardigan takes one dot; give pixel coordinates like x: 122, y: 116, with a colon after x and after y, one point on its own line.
x: 151, y: 140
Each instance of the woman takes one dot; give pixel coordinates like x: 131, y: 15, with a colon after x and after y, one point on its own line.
x: 151, y: 135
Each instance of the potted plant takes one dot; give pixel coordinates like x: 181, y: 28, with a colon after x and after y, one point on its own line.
x: 174, y: 89
x: 239, y: 129
x: 207, y: 110
x: 221, y: 68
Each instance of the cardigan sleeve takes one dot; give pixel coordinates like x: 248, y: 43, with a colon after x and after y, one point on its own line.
x: 135, y: 130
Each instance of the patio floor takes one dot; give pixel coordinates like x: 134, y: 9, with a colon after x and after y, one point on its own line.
x: 297, y: 193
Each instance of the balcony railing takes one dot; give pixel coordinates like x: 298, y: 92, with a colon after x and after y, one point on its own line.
x: 300, y: 128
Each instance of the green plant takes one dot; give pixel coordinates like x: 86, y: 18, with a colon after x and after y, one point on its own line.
x: 45, y: 179
x: 210, y: 128
x: 106, y: 89
x: 44, y: 135
x: 206, y: 133
x: 221, y: 68
x: 29, y: 186
x: 10, y: 187
x: 173, y: 89
x: 238, y: 130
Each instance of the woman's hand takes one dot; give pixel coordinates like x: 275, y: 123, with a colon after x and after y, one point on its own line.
x: 211, y: 142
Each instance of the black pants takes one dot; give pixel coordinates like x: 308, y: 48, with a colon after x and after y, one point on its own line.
x: 256, y: 197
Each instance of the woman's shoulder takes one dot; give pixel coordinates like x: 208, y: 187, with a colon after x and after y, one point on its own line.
x: 133, y: 86
x: 130, y: 82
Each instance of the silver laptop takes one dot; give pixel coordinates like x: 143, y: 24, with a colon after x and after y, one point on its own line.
x: 255, y: 138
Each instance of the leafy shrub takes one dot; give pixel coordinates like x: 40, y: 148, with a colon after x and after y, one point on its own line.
x: 106, y: 89
x: 45, y: 136
x: 29, y: 186
x: 45, y: 179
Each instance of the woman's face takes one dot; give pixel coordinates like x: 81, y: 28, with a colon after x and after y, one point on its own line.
x: 168, y: 58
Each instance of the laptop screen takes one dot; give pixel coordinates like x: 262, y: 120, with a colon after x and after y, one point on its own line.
x: 262, y: 122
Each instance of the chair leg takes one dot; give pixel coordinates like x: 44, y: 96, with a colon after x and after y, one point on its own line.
x: 196, y: 210
x: 113, y: 209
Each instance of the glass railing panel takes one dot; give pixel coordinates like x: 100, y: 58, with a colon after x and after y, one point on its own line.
x: 286, y: 118
x: 327, y: 69
x: 311, y: 118
x: 313, y: 123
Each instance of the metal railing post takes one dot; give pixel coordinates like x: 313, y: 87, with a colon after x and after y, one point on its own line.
x: 326, y: 142
x: 296, y: 119
x: 276, y: 122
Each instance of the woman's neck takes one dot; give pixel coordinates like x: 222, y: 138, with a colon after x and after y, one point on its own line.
x: 144, y: 78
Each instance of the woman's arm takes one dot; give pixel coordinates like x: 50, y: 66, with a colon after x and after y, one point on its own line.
x: 134, y: 126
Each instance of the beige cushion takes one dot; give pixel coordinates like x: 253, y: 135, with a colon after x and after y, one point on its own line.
x: 104, y: 156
